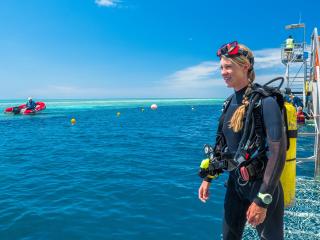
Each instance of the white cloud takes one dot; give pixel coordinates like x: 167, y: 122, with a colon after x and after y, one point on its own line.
x: 267, y: 58
x: 107, y: 3
x: 200, y: 75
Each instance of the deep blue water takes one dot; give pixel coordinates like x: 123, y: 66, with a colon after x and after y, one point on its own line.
x: 128, y: 177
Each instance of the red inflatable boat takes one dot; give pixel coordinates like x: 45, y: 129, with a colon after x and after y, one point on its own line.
x: 23, y: 110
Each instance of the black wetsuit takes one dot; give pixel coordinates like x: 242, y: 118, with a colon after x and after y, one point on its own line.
x: 238, y: 198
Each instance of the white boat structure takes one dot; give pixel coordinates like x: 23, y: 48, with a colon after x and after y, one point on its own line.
x: 303, y: 78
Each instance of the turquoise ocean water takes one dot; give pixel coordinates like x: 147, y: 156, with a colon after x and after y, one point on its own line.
x: 128, y: 177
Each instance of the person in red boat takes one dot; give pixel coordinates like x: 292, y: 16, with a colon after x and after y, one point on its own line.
x: 30, y: 105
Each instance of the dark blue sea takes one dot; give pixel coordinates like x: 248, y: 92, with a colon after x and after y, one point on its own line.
x: 126, y: 176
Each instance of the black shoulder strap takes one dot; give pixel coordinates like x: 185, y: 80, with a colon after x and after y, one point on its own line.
x: 225, y: 107
x: 258, y: 118
x: 220, y: 140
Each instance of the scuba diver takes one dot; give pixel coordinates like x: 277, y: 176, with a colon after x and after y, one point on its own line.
x: 287, y: 95
x: 30, y: 105
x: 251, y: 144
x: 291, y: 98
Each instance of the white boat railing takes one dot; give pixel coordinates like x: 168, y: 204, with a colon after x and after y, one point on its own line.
x: 315, y: 94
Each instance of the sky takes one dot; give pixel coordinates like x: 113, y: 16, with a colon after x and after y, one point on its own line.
x: 138, y: 48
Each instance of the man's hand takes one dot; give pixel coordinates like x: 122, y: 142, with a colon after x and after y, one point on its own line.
x: 256, y: 215
x: 203, y: 192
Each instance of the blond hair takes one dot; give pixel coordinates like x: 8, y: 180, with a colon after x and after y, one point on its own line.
x: 236, y: 122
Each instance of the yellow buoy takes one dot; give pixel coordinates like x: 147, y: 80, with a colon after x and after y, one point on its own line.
x: 73, y: 121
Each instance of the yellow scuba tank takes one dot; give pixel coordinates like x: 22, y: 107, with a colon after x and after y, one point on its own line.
x: 288, y: 177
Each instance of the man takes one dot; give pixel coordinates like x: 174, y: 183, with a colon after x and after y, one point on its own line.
x: 30, y: 105
x: 289, y: 44
x: 289, y: 47
x: 287, y: 94
x: 291, y: 98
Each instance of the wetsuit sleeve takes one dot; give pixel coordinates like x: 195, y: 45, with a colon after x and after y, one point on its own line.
x: 207, y: 179
x: 276, y: 141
